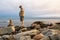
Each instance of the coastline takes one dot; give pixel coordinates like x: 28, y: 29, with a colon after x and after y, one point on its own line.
x: 27, y: 22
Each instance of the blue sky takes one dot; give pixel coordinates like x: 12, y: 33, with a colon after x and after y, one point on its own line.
x: 33, y: 8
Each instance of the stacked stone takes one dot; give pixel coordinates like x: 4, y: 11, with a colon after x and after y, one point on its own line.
x: 11, y: 25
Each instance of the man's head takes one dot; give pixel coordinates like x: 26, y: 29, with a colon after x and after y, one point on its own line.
x: 20, y: 6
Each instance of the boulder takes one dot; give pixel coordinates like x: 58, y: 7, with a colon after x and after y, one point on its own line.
x: 52, y: 34
x: 1, y: 38
x: 49, y: 32
x: 57, y: 26
x: 40, y: 24
x: 27, y: 33
x: 55, y: 37
x: 6, y: 30
x: 38, y: 37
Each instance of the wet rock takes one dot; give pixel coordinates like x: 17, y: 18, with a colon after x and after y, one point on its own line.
x: 34, y: 24
x: 40, y: 24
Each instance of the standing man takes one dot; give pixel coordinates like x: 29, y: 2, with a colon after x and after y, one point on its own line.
x: 21, y: 14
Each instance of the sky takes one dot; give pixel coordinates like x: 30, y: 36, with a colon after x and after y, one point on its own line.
x: 33, y: 8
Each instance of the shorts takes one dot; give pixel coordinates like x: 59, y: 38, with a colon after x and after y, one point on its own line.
x: 21, y: 18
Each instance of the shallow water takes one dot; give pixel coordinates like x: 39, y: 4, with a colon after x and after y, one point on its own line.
x: 28, y: 22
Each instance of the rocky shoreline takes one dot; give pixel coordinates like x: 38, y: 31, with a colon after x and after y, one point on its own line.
x: 37, y: 31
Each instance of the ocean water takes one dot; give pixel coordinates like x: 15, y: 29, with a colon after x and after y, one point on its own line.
x: 27, y: 21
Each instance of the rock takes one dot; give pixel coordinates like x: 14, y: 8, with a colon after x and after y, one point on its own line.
x: 38, y: 37
x: 40, y: 24
x: 6, y: 30
x: 32, y: 32
x: 49, y: 32
x: 53, y: 34
x: 57, y: 26
x: 51, y: 37
x: 6, y: 36
x: 11, y: 37
x: 17, y: 28
x: 45, y: 38
x: 27, y: 33
x: 1, y: 38
x: 55, y: 37
x: 34, y: 24
x: 25, y: 38
x: 24, y: 29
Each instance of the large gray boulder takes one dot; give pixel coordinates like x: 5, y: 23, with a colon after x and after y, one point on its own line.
x: 26, y: 35
x: 51, y: 34
x: 52, y: 37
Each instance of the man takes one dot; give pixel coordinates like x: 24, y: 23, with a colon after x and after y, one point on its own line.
x: 21, y: 14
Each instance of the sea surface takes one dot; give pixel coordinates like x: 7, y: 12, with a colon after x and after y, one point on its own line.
x: 27, y: 21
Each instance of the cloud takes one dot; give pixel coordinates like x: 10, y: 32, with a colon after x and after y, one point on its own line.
x: 9, y: 5
x: 34, y: 8
x: 43, y: 7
